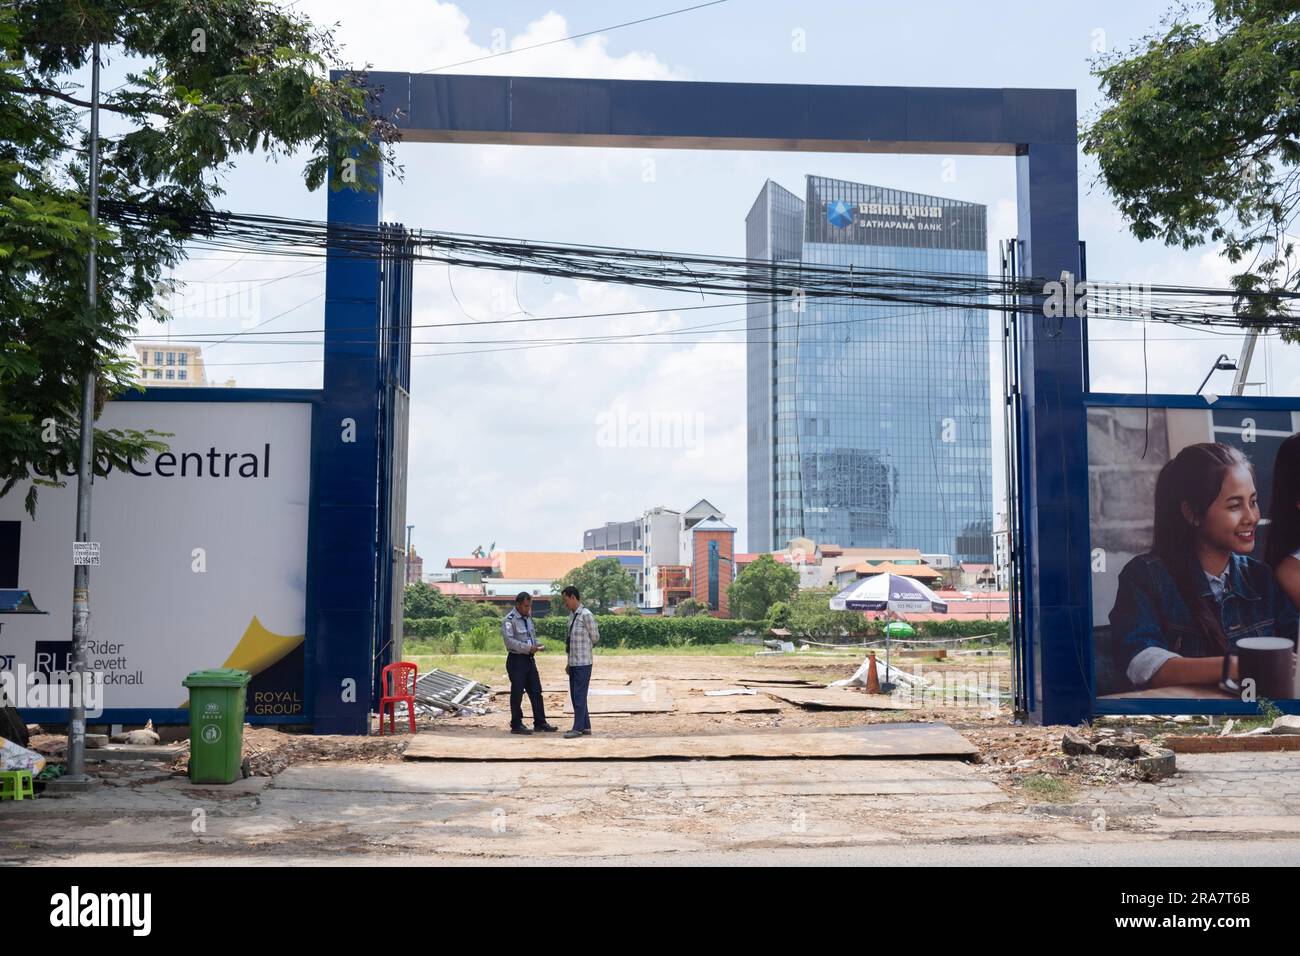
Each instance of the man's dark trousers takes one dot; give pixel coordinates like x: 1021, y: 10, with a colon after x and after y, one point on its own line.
x: 579, y: 681
x: 522, y: 671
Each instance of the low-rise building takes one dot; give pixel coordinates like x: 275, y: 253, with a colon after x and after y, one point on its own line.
x: 613, y: 536
x: 979, y: 576
x: 173, y: 366
x: 414, y: 567
x: 685, y: 554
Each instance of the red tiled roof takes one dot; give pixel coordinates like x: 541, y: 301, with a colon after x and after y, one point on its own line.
x: 981, y: 606
x: 457, y: 589
x: 903, y: 570
x: 477, y: 564
x: 780, y: 557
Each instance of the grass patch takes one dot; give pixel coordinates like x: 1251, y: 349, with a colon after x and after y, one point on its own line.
x: 556, y: 649
x: 488, y: 666
x: 1048, y: 789
x: 484, y: 668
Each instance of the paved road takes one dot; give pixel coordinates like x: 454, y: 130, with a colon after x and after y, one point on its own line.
x: 1183, y: 853
x: 1145, y: 853
x: 1220, y: 810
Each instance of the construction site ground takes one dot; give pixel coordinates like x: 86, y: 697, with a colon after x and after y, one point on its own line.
x: 329, y: 800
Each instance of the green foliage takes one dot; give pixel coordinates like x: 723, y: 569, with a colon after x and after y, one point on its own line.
x: 1197, y: 141
x: 441, y: 635
x: 430, y: 628
x: 484, y: 635
x: 602, y: 582
x: 763, y: 582
x: 468, y: 613
x: 422, y: 601
x: 779, y: 614
x: 472, y: 622
x: 618, y: 630
x: 811, y: 616
x: 258, y: 80
x: 999, y: 628
x: 689, y: 608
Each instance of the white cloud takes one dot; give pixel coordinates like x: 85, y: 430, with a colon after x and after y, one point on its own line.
x: 516, y: 445
x: 417, y: 35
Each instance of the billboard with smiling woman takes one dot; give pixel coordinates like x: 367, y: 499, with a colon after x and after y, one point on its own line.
x: 1195, y: 533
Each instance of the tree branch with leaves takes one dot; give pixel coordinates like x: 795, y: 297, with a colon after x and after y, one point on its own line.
x: 223, y: 79
x: 1198, y: 141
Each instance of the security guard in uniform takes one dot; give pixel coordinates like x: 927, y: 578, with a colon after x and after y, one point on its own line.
x: 520, y: 635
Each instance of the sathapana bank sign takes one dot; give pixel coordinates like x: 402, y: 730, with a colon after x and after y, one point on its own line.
x: 884, y: 215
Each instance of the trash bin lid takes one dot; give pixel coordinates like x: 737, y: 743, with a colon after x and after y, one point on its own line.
x: 218, y: 677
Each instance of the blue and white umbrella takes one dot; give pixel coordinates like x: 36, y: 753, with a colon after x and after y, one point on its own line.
x: 889, y: 592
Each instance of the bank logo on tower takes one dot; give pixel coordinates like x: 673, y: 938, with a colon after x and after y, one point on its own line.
x: 839, y: 213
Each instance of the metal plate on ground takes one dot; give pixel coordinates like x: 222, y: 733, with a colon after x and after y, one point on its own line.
x: 728, y: 705
x: 834, y: 698
x: 562, y: 687
x: 659, y: 704
x: 898, y: 740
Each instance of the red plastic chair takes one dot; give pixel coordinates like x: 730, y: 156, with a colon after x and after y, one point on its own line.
x: 398, y: 684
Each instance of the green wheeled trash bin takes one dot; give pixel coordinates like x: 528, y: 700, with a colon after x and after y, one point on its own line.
x: 217, y: 724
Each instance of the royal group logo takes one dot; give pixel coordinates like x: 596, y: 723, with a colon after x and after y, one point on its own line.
x: 839, y: 213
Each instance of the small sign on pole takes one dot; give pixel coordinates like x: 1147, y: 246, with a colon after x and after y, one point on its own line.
x: 85, y: 553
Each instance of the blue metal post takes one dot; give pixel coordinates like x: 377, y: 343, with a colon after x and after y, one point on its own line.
x: 1054, y: 463
x: 346, y: 476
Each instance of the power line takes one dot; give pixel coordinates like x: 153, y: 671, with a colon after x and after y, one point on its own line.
x: 715, y: 275
x: 506, y: 321
x: 576, y: 36
x: 561, y: 344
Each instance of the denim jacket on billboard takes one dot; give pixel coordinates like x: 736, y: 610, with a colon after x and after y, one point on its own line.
x: 1149, y: 611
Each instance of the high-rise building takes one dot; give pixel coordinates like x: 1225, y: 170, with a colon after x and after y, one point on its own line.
x: 868, y: 422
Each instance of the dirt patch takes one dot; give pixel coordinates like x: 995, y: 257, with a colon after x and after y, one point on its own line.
x: 1020, y: 756
x: 1008, y: 753
x: 270, y: 750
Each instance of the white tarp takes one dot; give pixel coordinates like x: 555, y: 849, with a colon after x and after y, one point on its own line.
x: 14, y: 757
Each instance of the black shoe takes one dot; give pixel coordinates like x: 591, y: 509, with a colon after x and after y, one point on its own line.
x: 570, y: 734
x: 586, y: 733
x: 520, y: 730
x: 545, y: 728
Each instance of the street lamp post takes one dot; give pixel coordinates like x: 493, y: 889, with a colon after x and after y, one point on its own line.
x: 1221, y: 364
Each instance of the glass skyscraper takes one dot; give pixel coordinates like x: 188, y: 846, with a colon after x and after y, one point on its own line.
x: 868, y: 422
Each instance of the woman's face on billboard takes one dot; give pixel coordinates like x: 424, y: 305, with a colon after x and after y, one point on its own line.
x: 1229, y: 523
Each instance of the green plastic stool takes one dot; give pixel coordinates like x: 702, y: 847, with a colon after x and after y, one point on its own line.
x: 16, y: 785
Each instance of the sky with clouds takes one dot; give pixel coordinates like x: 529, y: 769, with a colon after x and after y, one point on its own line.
x: 527, y: 447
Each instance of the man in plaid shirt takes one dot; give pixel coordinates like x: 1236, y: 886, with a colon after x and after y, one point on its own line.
x: 583, y: 633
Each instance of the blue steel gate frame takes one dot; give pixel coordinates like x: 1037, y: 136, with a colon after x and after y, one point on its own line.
x: 1036, y: 127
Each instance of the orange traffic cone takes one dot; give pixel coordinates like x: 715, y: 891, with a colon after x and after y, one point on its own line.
x: 873, y: 679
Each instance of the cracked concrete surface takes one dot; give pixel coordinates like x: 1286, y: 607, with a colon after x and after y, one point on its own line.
x: 568, y: 811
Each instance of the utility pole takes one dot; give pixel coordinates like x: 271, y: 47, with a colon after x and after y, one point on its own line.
x: 76, y: 755
x: 1243, y: 363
